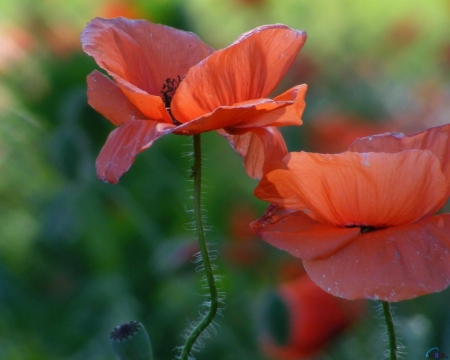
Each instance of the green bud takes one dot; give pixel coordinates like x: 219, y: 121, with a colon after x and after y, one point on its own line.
x: 131, y: 342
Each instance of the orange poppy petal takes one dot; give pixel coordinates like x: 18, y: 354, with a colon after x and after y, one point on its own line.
x: 436, y: 139
x: 141, y: 53
x: 293, y: 113
x: 106, y: 98
x: 248, y: 69
x: 393, y: 264
x: 276, y: 187
x: 259, y: 148
x: 260, y: 110
x: 124, y: 143
x: 286, y: 109
x: 241, y: 117
x: 369, y: 189
x: 151, y: 106
x: 301, y: 236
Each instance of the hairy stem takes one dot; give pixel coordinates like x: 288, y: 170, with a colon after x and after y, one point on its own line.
x: 214, y: 298
x: 390, y: 330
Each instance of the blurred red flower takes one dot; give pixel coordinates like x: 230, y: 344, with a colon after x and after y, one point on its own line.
x: 300, y: 319
x: 333, y: 132
x: 403, y: 32
x: 116, y: 8
x: 169, y: 81
x: 243, y: 248
x: 16, y: 43
x: 289, y: 268
x: 362, y: 221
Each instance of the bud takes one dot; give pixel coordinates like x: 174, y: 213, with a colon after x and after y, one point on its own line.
x: 131, y: 342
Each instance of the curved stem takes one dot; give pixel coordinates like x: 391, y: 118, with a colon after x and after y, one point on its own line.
x: 214, y: 299
x: 390, y: 330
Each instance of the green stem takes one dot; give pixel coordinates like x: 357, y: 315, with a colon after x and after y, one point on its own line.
x: 214, y: 298
x: 390, y: 330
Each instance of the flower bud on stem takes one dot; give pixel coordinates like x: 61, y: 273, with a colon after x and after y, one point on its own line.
x: 130, y: 342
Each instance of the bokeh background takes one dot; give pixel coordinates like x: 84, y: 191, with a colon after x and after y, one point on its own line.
x: 78, y: 257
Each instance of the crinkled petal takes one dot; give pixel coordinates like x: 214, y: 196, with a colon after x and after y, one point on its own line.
x: 124, y: 143
x: 435, y: 139
x: 259, y: 148
x: 301, y: 236
x: 287, y: 110
x: 393, y: 264
x: 248, y: 69
x: 106, y: 98
x: 140, y: 56
x: 368, y: 189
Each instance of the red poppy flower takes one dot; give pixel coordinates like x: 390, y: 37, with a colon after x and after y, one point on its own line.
x: 169, y: 81
x: 300, y: 319
x: 362, y: 221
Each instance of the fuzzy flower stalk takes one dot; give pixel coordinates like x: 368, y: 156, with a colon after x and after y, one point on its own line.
x: 165, y: 81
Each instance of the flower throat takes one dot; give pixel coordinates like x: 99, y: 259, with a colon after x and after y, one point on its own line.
x: 366, y: 228
x: 168, y: 92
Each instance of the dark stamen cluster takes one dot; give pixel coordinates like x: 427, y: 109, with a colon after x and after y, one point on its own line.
x: 366, y: 228
x: 168, y: 92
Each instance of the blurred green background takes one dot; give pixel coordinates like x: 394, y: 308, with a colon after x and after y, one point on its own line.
x: 78, y: 257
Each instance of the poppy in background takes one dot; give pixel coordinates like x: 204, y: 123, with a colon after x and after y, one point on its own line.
x: 289, y: 268
x: 334, y: 132
x: 300, y: 319
x: 363, y: 221
x: 116, y: 8
x: 168, y: 81
x: 242, y: 248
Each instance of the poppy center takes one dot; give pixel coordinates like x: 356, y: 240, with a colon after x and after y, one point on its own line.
x: 168, y: 92
x: 366, y: 228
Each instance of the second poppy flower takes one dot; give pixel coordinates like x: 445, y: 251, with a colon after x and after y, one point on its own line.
x: 362, y: 221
